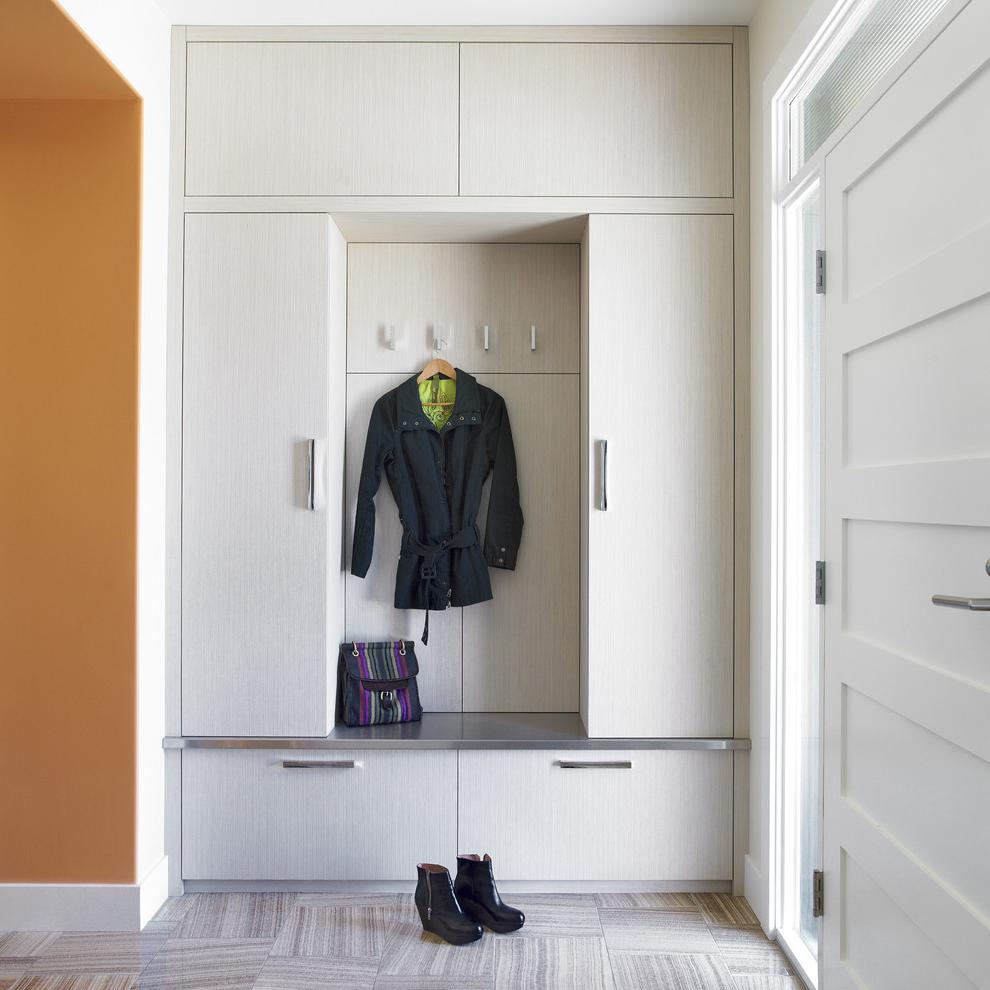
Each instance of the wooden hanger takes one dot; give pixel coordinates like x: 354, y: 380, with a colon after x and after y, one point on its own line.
x: 437, y: 367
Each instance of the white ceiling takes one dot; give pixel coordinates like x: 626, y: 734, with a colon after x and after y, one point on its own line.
x: 458, y: 11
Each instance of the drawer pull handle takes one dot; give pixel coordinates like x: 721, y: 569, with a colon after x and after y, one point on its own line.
x: 595, y: 765
x: 318, y: 764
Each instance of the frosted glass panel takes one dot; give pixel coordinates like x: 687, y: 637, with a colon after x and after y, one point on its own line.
x: 877, y: 34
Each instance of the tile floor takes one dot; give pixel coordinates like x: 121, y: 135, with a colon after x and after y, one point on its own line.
x: 375, y: 941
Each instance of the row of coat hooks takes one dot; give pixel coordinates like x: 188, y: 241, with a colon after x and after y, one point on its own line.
x: 443, y: 337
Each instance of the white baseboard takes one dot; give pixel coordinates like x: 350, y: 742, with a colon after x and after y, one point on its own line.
x: 506, y: 886
x: 83, y: 907
x: 153, y: 892
x: 757, y: 893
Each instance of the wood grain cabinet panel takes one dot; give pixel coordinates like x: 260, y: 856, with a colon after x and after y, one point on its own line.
x: 660, y: 556
x: 247, y: 817
x: 596, y: 120
x: 254, y: 556
x: 321, y: 118
x: 414, y: 288
x: 521, y: 650
x: 667, y: 818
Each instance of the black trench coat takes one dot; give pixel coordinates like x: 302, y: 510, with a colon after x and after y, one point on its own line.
x: 436, y: 477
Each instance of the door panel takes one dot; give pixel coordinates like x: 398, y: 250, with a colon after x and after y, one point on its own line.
x: 660, y: 558
x: 369, y: 610
x: 521, y: 650
x: 907, y: 687
x: 884, y: 948
x: 321, y: 118
x: 254, y: 390
x: 931, y: 357
x: 596, y: 120
x: 463, y: 287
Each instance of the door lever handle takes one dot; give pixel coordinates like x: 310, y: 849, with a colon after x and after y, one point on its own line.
x: 970, y: 604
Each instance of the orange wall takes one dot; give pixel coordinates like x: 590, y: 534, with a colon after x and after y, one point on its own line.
x: 69, y: 229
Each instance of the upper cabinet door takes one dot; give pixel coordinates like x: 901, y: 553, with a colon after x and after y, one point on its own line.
x: 254, y: 533
x: 327, y: 118
x: 596, y: 120
x: 660, y: 513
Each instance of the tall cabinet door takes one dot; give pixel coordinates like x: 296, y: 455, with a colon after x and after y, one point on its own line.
x: 658, y: 645
x: 254, y: 536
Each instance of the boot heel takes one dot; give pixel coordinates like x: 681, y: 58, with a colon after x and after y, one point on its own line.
x: 475, y: 910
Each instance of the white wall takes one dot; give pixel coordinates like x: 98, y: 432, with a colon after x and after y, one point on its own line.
x: 134, y: 37
x: 779, y: 32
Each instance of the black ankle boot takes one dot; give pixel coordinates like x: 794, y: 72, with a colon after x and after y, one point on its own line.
x: 438, y: 907
x: 475, y: 889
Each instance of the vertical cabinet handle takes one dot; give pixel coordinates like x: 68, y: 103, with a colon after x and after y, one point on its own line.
x: 603, y: 475
x: 311, y: 476
x: 315, y: 493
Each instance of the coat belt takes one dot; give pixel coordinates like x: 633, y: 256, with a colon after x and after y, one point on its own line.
x: 430, y: 554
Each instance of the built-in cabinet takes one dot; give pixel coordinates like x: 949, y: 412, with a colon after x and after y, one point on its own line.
x: 621, y: 815
x: 313, y: 815
x: 311, y: 283
x: 270, y: 118
x: 255, y: 395
x: 596, y: 120
x: 659, y: 450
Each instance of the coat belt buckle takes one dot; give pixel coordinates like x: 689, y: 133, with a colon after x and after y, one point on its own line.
x: 428, y: 571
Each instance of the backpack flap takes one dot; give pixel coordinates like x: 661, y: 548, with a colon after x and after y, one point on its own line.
x: 381, y: 666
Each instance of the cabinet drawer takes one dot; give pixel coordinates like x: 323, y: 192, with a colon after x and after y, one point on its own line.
x: 245, y: 816
x: 667, y: 818
x: 596, y: 120
x: 321, y: 118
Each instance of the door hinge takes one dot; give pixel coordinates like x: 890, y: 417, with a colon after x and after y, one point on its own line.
x: 819, y: 272
x: 817, y: 894
x: 819, y: 582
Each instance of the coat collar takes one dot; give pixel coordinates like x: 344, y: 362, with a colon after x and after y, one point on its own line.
x: 466, y: 412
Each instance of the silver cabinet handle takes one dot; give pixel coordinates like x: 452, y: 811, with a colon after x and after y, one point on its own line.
x: 595, y: 764
x: 315, y: 484
x: 311, y: 477
x: 318, y: 764
x: 603, y: 475
x: 971, y: 604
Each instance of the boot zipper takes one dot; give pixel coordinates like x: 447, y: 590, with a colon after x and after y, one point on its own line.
x: 429, y: 895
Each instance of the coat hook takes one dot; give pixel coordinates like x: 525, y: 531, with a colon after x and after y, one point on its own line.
x: 532, y: 337
x: 486, y: 337
x: 442, y: 342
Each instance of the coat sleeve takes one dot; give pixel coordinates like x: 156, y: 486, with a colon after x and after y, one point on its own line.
x: 377, y: 452
x: 503, y: 530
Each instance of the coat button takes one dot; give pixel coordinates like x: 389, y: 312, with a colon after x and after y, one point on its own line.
x: 405, y: 423
x: 503, y: 549
x: 416, y: 423
x: 501, y: 560
x: 462, y: 419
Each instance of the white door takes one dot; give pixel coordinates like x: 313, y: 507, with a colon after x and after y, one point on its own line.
x: 907, y: 684
x: 254, y: 534
x: 657, y: 649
